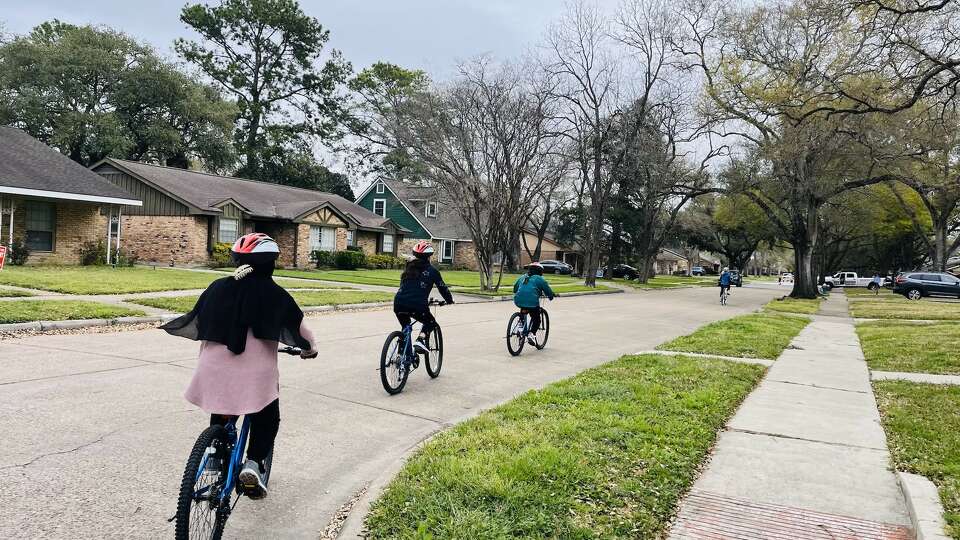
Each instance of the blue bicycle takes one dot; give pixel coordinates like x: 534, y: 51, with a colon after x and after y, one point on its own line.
x: 211, y: 477
x: 518, y: 330
x: 398, y: 359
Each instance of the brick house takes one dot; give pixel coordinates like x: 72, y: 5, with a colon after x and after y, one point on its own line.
x: 550, y: 250
x: 55, y: 205
x: 422, y: 210
x: 185, y: 213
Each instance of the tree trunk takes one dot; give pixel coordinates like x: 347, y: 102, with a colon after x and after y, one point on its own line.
x: 804, y: 248
x: 592, y: 253
x: 940, y: 255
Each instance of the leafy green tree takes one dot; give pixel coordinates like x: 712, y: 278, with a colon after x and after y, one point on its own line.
x: 730, y: 225
x: 301, y: 169
x: 266, y: 55
x: 93, y: 92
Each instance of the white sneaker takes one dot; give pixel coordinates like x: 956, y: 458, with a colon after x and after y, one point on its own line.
x: 420, y: 347
x: 531, y: 340
x: 251, y: 480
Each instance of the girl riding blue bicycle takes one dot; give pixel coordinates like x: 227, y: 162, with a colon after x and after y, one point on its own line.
x: 240, y: 321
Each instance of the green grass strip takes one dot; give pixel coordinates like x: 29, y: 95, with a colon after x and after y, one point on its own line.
x: 183, y: 304
x: 607, y: 453
x: 508, y: 290
x: 901, y: 308
x: 922, y: 422
x: 917, y: 348
x: 758, y: 335
x: 18, y: 311
x: 794, y: 305
x: 11, y: 293
x: 391, y: 278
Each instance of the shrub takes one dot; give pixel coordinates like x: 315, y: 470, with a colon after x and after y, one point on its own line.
x: 349, y: 260
x: 354, y: 248
x: 18, y: 253
x: 381, y: 262
x: 93, y: 253
x: 322, y: 259
x: 220, y: 257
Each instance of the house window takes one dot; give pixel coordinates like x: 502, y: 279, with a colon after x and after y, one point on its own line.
x: 41, y: 222
x: 431, y: 209
x: 323, y: 238
x: 380, y: 207
x: 350, y: 237
x: 446, y: 250
x: 229, y: 230
x: 379, y: 188
x: 387, y: 243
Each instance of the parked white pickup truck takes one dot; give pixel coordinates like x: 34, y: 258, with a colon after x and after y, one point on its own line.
x: 849, y: 279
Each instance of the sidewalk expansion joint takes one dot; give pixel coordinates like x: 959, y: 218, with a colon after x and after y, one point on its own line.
x: 803, y: 439
x: 819, y: 386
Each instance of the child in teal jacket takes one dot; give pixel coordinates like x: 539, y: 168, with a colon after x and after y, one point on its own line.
x: 527, y: 292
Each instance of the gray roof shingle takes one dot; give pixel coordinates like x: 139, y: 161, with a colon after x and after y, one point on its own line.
x: 27, y: 163
x: 203, y: 191
x: 447, y: 225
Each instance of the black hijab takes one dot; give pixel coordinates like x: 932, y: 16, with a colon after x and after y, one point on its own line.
x: 248, y: 300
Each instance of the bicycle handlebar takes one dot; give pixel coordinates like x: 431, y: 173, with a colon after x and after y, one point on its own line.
x: 295, y: 351
x: 435, y: 302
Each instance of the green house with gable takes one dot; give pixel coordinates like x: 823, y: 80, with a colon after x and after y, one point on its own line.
x: 423, y: 211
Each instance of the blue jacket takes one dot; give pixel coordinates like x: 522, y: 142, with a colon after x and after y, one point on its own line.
x: 725, y: 279
x: 414, y: 293
x: 528, y: 289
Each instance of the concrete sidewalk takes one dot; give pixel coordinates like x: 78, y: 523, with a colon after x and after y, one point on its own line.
x: 805, y: 456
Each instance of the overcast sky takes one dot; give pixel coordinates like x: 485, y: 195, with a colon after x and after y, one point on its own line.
x: 426, y: 34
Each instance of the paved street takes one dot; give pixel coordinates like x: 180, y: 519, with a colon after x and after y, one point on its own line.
x: 97, y: 431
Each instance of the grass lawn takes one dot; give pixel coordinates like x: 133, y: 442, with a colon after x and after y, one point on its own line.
x: 794, y: 305
x: 59, y: 310
x: 920, y: 348
x: 671, y: 282
x: 863, y: 292
x: 107, y: 280
x: 759, y: 335
x: 607, y: 453
x: 391, y: 278
x: 183, y: 304
x: 901, y: 308
x: 922, y: 422
x: 11, y: 293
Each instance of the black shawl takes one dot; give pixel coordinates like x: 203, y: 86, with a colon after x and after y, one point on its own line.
x: 229, y: 307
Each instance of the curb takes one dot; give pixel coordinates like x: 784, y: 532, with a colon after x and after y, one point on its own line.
x: 923, y: 505
x: 44, y: 326
x: 509, y: 297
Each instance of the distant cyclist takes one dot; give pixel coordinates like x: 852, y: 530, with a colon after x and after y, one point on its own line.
x: 240, y: 321
x: 417, y: 281
x: 527, y: 291
x: 725, y: 281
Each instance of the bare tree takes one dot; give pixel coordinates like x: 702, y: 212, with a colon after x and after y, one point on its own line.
x: 482, y: 140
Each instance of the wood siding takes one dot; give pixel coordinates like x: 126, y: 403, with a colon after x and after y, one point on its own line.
x: 395, y: 211
x: 155, y: 203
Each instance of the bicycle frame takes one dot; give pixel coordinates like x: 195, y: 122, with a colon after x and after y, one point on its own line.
x: 236, y: 455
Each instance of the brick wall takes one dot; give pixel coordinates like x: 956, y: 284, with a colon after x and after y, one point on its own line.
x: 465, y: 255
x: 286, y: 237
x: 367, y: 241
x: 341, y: 239
x: 74, y: 224
x: 165, y: 239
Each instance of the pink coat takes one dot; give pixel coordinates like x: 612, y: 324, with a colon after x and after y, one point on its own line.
x: 235, y: 384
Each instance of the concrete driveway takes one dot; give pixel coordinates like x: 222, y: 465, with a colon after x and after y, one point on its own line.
x: 96, y: 432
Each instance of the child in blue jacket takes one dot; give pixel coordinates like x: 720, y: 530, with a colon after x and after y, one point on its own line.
x: 527, y: 292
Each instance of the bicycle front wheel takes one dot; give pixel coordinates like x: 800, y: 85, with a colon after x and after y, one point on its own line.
x: 544, y: 331
x: 515, y: 339
x: 203, y: 507
x: 393, y: 370
x: 435, y: 358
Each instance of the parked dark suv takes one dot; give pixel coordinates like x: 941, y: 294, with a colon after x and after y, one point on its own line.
x: 915, y: 285
x: 624, y: 271
x: 736, y: 278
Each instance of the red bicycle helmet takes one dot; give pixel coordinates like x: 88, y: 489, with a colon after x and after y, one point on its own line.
x: 423, y: 248
x: 255, y: 243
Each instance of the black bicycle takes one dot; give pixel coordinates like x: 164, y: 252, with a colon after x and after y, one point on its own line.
x: 211, y: 477
x: 518, y: 330
x: 398, y: 357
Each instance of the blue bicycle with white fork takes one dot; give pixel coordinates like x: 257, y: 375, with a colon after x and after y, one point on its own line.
x: 211, y: 477
x: 398, y: 357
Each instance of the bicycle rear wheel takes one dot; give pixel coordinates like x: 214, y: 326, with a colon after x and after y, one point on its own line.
x: 543, y: 333
x: 435, y: 358
x: 515, y: 339
x: 393, y: 372
x: 201, y: 512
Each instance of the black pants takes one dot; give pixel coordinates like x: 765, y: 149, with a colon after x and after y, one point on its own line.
x: 264, y: 425
x: 534, y: 318
x: 406, y: 317
x: 723, y: 288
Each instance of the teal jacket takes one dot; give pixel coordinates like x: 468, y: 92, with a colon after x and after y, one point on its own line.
x: 527, y: 295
